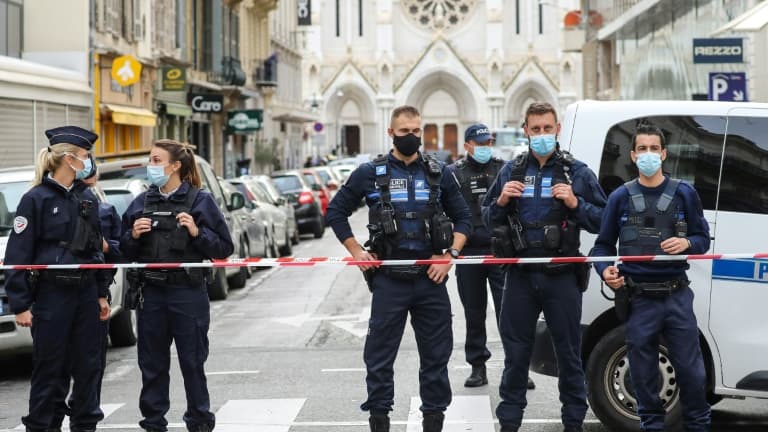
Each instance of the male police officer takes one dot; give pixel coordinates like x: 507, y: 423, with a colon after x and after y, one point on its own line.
x: 409, y: 196
x: 657, y: 215
x: 540, y: 201
x: 475, y: 174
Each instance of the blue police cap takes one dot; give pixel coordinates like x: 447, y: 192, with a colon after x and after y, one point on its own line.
x: 71, y: 135
x: 478, y: 133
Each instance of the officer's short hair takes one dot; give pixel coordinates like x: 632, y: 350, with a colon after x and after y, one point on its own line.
x: 539, y: 108
x: 648, y: 129
x: 406, y: 110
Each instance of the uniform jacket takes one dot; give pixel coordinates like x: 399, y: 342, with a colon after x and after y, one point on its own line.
x: 477, y: 180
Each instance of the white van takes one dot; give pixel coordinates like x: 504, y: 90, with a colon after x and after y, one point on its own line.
x: 721, y: 149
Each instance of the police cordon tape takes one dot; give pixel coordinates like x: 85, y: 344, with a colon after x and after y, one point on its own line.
x: 349, y: 261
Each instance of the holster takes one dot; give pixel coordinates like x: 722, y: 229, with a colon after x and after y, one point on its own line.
x: 368, y: 276
x: 623, y: 302
x: 583, y: 270
x: 134, y: 295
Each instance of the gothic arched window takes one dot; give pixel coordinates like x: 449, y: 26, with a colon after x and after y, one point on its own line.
x: 438, y: 14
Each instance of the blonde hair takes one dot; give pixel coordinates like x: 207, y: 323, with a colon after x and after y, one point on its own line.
x: 50, y: 158
x: 183, y: 153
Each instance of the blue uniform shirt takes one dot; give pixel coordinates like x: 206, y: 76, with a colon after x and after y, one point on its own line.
x: 410, y: 194
x: 45, y: 217
x: 536, y: 203
x: 111, y: 228
x: 615, y: 214
x: 213, y: 240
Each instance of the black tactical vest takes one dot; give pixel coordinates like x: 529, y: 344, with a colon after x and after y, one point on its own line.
x: 168, y: 241
x: 475, y: 179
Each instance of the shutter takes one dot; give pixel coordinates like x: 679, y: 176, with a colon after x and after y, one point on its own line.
x: 17, y: 142
x: 79, y: 116
x: 138, y: 28
x: 98, y: 14
x: 170, y: 27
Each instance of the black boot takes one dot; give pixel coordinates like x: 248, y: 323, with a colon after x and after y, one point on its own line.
x: 572, y: 429
x: 477, y: 378
x: 200, y: 428
x: 379, y: 423
x: 507, y: 428
x: 531, y: 384
x: 433, y: 421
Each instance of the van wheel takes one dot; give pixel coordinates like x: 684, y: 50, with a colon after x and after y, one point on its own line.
x: 121, y: 331
x: 609, y: 386
x: 219, y: 289
x: 240, y: 279
x: 288, y: 248
x: 319, y: 229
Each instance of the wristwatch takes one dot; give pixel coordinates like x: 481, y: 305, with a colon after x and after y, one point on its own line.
x: 454, y: 252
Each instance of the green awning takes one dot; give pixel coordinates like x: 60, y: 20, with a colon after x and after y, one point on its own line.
x: 178, y: 109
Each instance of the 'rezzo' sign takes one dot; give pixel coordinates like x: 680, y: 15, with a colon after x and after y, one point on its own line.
x: 728, y: 50
x: 304, y: 12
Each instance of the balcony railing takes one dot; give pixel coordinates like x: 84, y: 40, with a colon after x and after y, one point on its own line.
x: 265, y: 73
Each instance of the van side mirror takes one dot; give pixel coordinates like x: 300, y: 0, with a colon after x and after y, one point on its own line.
x: 236, y: 202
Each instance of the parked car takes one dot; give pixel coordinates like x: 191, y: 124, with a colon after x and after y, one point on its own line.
x: 343, y: 170
x: 14, y: 182
x: 136, y: 168
x: 268, y: 186
x: 245, y: 228
x: 331, y: 179
x: 270, y: 220
x: 318, y: 187
x: 309, y: 215
x: 121, y: 192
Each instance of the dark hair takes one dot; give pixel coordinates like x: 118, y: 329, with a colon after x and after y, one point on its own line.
x: 183, y: 153
x: 539, y: 108
x: 404, y: 110
x: 648, y: 129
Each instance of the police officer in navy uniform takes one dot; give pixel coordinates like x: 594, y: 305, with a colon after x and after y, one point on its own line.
x: 657, y: 215
x: 475, y: 174
x: 545, y: 197
x: 174, y: 221
x: 110, y: 245
x: 57, y: 222
x: 408, y: 195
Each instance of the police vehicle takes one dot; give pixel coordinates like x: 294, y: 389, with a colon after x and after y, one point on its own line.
x: 721, y: 149
x: 15, y: 182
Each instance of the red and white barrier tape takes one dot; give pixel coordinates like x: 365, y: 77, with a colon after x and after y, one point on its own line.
x: 320, y: 261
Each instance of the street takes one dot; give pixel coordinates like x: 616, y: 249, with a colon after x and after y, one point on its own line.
x: 286, y: 355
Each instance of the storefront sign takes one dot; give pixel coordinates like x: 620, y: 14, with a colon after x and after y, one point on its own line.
x: 730, y: 86
x: 304, y: 12
x: 126, y: 70
x: 174, y: 78
x: 206, y: 103
x: 244, y: 120
x: 730, y: 50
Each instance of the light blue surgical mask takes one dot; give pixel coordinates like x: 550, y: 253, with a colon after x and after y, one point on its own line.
x: 543, y: 145
x: 87, y: 168
x: 156, y: 175
x: 648, y: 163
x: 482, y: 154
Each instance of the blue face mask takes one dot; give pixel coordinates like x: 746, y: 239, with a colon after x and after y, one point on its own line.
x: 87, y: 168
x: 482, y: 154
x: 648, y: 163
x: 543, y: 145
x: 156, y: 175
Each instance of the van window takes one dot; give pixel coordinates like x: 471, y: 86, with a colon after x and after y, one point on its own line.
x: 694, y: 145
x: 744, y: 186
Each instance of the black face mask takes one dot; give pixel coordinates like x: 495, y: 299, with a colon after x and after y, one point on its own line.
x: 407, y: 144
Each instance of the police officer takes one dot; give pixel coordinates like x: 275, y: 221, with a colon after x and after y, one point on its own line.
x: 474, y: 174
x: 657, y: 215
x: 110, y: 245
x: 544, y: 197
x: 174, y: 221
x: 57, y: 222
x: 408, y: 195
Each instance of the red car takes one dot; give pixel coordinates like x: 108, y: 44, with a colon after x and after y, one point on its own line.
x: 318, y: 186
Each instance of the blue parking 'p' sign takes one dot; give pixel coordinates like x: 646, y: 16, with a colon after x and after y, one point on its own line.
x: 728, y: 86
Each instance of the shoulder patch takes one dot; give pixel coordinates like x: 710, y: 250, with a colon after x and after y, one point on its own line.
x: 381, y: 170
x: 20, y: 224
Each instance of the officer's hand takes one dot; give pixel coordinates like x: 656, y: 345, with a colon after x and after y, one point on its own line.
x: 612, y: 277
x: 438, y: 272
x: 564, y: 192
x: 186, y: 220
x: 141, y: 226
x: 24, y: 319
x: 363, y: 255
x: 104, y: 309
x: 104, y: 246
x: 512, y: 189
x: 675, y: 245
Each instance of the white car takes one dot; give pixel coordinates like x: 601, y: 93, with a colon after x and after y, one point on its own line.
x: 721, y: 149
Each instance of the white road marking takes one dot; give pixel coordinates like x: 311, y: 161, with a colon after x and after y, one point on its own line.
x: 356, y: 328
x: 270, y: 415
x: 343, y: 370
x: 466, y: 413
x: 107, y: 409
x: 241, y: 372
x: 300, y: 319
x: 119, y: 372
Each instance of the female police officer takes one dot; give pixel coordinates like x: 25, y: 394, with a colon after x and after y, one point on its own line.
x: 174, y: 222
x: 57, y: 222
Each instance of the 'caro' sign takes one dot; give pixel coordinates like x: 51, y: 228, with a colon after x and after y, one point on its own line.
x: 206, y: 103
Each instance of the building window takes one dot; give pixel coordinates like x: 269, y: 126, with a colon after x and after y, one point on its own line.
x: 338, y: 18
x: 541, y: 18
x: 438, y: 14
x: 113, y: 17
x: 360, y: 17
x: 743, y: 186
x: 11, y: 27
x: 517, y: 16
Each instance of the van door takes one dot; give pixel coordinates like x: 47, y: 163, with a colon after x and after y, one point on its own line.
x: 740, y: 286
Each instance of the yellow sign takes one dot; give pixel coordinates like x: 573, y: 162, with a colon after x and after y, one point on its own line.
x: 126, y: 70
x: 174, y: 79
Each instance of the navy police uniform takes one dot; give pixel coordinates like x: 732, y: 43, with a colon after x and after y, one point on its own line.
x: 474, y: 179
x: 396, y: 292
x: 640, y: 218
x: 175, y: 306
x: 58, y: 225
x: 548, y: 228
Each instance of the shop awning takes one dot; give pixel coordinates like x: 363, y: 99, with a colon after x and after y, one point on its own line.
x: 132, y: 116
x: 752, y: 20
